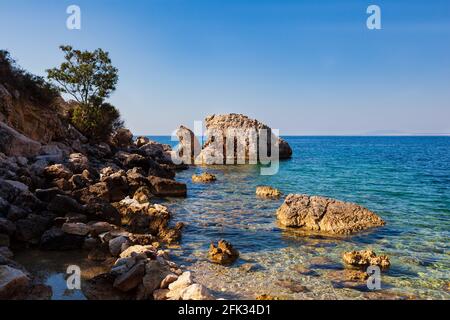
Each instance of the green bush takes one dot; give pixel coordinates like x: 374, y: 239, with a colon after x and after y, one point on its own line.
x: 30, y: 87
x: 96, y: 122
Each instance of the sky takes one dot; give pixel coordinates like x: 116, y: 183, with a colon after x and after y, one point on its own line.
x: 303, y: 67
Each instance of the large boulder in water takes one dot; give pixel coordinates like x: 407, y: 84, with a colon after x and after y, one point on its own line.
x: 325, y: 215
x: 242, y: 127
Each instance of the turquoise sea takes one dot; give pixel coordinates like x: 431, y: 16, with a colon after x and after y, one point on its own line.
x: 406, y: 180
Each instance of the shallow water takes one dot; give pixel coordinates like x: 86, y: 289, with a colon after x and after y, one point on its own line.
x: 406, y: 180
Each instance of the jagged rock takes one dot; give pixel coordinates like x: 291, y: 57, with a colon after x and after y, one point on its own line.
x: 267, y: 192
x: 204, y: 178
x: 57, y: 171
x: 189, y: 146
x: 136, y: 180
x: 171, y: 235
x: 113, y: 187
x: 167, y: 188
x: 247, y: 133
x: 196, y: 292
x: 13, y: 143
x: 76, y: 228
x: 325, y: 215
x: 160, y: 170
x: 143, y: 194
x: 78, y: 163
x: 122, y: 138
x: 12, y: 282
x: 130, y: 279
x: 79, y: 181
x: 140, y: 141
x: 56, y: 239
x: 157, y: 151
x: 365, y: 258
x: 223, y: 254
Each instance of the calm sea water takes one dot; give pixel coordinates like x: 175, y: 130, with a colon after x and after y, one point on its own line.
x: 406, y: 180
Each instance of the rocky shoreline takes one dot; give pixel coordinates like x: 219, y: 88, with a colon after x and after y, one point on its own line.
x: 61, y: 191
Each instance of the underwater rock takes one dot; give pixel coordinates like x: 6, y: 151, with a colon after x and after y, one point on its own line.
x: 365, y: 258
x: 267, y: 192
x: 325, y: 215
x: 223, y: 254
x: 204, y: 178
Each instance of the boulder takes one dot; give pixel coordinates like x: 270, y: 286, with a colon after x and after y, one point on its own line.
x: 167, y: 188
x: 365, y: 258
x: 267, y: 192
x: 31, y: 228
x: 325, y: 215
x: 223, y: 254
x: 142, y: 194
x: 147, y: 251
x: 141, y: 140
x: 57, y: 171
x: 196, y: 292
x: 78, y: 162
x: 177, y: 287
x: 130, y: 279
x: 246, y: 131
x: 7, y: 227
x: 56, y: 239
x: 117, y: 245
x: 12, y: 282
x: 155, y: 272
x: 62, y: 204
x: 204, y: 178
x: 168, y: 280
x: 13, y: 143
x: 76, y: 228
x: 122, y: 138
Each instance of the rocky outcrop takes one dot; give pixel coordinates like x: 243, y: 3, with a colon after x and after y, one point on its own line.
x: 223, y: 253
x: 267, y: 192
x: 364, y: 258
x: 247, y: 134
x: 13, y: 143
x: 166, y: 187
x: 203, y: 178
x: 325, y: 215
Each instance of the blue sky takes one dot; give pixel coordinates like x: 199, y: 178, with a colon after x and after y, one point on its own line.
x: 304, y: 67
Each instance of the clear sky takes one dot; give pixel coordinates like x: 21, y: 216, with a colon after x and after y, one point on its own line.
x: 304, y: 67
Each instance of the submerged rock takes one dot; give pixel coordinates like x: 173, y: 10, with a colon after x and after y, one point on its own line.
x: 267, y: 192
x: 223, y: 254
x: 326, y: 215
x: 204, y: 178
x: 365, y: 258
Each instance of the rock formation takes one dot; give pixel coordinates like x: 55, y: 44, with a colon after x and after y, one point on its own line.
x: 248, y: 134
x: 364, y: 258
x: 267, y: 192
x: 325, y: 215
x: 223, y: 253
x: 203, y: 178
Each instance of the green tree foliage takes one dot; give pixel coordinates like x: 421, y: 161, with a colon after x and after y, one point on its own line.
x: 89, y: 78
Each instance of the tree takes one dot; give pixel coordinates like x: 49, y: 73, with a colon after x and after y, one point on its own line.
x: 86, y: 76
x: 89, y: 78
